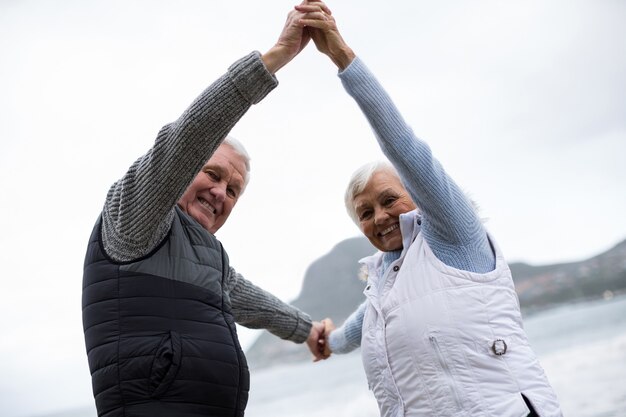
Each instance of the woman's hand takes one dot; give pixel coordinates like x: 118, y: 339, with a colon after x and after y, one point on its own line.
x: 329, y: 326
x: 323, y: 30
x: 291, y: 41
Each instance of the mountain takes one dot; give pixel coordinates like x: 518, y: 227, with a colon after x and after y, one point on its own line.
x: 539, y: 287
x: 331, y: 288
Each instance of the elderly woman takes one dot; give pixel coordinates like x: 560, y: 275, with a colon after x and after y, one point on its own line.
x: 441, y: 331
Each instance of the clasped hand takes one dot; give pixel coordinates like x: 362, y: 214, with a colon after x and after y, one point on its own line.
x: 318, y: 339
x: 309, y: 20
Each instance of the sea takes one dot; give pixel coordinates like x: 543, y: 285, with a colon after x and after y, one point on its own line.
x: 582, y: 348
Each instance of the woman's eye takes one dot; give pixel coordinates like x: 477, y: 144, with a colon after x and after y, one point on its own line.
x: 365, y: 215
x: 389, y: 201
x: 213, y: 175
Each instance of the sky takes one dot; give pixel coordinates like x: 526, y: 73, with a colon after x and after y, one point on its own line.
x: 522, y: 102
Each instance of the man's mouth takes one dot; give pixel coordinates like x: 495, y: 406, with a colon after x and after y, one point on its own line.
x: 207, y: 205
x: 389, y: 229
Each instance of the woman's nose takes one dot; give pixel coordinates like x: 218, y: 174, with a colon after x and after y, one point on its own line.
x: 380, y: 216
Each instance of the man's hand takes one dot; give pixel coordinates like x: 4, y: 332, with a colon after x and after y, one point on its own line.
x: 323, y: 30
x: 317, y: 342
x: 291, y: 42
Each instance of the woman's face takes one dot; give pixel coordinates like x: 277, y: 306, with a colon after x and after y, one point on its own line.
x: 378, y: 209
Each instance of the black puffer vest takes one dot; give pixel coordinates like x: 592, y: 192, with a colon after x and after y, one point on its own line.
x: 160, y: 336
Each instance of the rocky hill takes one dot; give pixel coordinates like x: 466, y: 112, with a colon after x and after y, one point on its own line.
x: 331, y: 288
x: 539, y: 287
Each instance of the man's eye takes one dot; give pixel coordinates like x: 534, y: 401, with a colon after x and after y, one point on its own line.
x: 213, y: 175
x: 231, y: 192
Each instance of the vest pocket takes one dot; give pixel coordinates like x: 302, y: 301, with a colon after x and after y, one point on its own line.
x: 165, y: 365
x: 445, y: 363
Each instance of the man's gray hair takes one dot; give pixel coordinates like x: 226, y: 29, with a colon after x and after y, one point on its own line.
x: 359, y: 180
x: 241, y: 151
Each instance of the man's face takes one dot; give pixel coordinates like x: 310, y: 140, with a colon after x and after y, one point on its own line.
x: 211, y: 196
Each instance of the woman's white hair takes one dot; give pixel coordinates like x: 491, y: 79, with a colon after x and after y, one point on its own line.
x: 359, y: 180
x: 362, y: 176
x: 241, y: 151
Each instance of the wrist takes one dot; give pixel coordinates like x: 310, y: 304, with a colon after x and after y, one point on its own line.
x: 276, y: 58
x: 343, y: 57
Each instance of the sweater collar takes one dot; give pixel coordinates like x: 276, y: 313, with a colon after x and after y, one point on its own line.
x: 410, y: 226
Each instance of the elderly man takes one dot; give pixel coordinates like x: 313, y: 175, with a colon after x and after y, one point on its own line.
x: 160, y: 299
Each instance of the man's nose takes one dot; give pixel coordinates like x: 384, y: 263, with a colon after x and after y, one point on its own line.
x: 219, y: 191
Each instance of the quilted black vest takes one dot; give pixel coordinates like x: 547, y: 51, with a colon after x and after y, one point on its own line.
x: 160, y: 336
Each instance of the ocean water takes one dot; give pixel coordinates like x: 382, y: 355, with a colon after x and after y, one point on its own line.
x: 582, y: 348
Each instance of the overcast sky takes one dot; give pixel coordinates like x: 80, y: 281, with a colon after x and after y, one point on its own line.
x: 522, y: 102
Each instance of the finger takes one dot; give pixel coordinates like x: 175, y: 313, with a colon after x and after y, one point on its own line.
x: 322, y: 5
x: 315, y: 14
x: 316, y: 6
x: 318, y: 24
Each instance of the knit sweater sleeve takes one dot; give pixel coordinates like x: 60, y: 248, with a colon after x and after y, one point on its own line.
x: 139, y: 208
x: 450, y: 224
x: 255, y: 308
x: 346, y: 338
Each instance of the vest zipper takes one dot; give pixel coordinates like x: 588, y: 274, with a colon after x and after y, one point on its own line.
x: 233, y: 334
x: 446, y: 370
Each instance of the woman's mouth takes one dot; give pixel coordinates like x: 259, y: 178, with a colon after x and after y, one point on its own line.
x: 389, y: 229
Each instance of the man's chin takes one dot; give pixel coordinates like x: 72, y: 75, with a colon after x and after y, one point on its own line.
x: 203, y: 220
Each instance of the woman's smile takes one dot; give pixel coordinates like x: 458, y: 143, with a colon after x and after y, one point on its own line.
x: 389, y: 229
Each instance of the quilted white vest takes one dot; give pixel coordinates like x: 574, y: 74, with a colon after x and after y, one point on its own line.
x: 438, y: 341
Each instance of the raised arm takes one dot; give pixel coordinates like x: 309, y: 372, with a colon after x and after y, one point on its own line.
x: 449, y: 221
x: 139, y: 207
x: 448, y: 215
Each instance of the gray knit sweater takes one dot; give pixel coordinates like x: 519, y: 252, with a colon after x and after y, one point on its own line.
x: 139, y: 208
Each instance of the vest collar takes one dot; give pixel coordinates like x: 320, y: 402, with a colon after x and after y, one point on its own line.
x: 410, y: 226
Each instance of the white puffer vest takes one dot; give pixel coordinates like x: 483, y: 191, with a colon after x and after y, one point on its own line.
x: 438, y: 341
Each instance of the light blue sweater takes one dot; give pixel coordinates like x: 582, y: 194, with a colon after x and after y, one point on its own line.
x: 450, y: 223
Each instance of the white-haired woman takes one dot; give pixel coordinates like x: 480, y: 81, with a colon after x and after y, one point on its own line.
x: 441, y: 331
